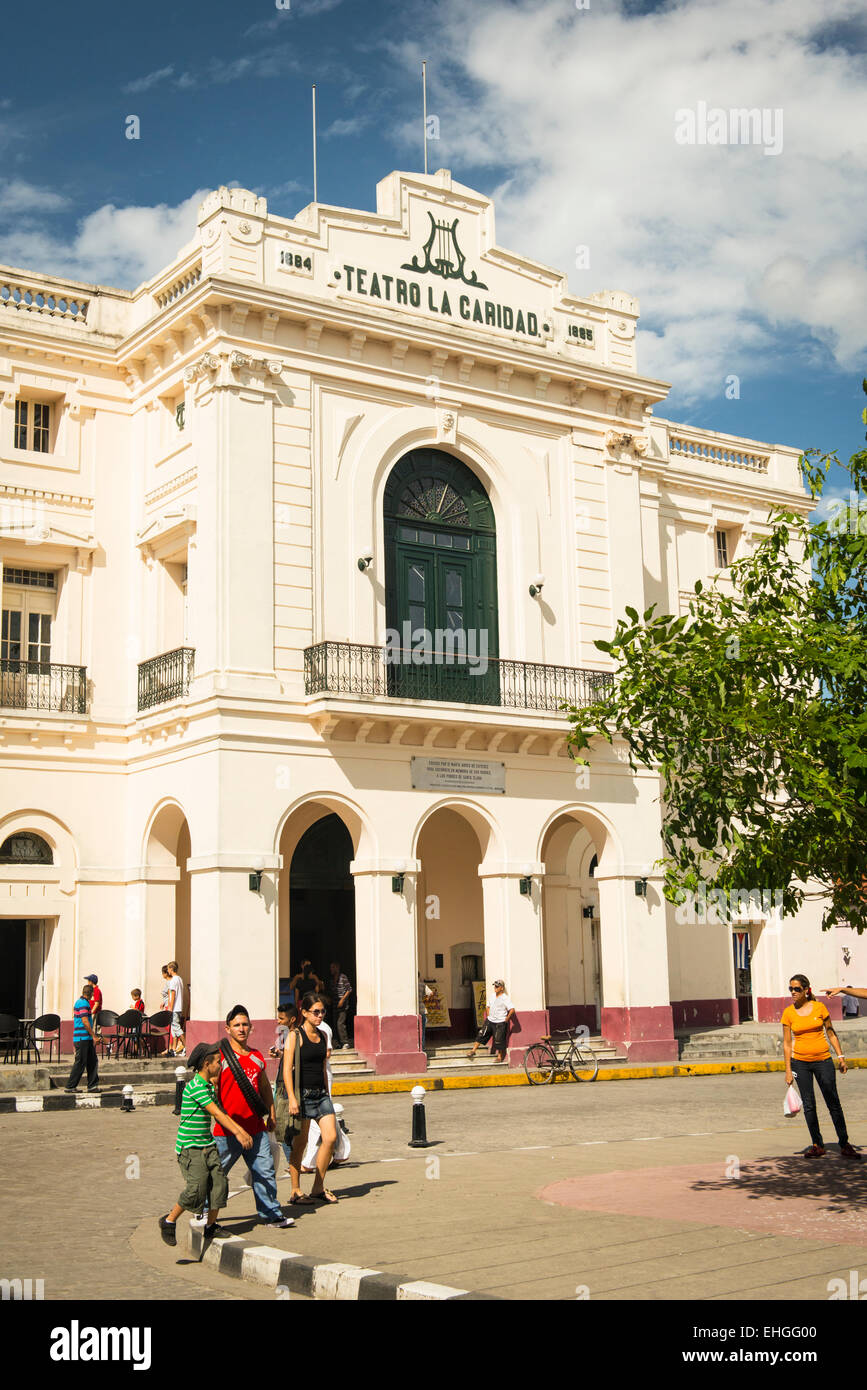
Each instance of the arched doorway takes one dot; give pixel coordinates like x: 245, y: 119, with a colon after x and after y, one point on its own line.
x: 167, y: 918
x: 571, y: 925
x: 24, y: 943
x: 322, y: 900
x: 451, y: 919
x: 441, y: 581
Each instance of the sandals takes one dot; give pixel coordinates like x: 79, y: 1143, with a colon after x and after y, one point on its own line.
x: 298, y: 1199
x: 324, y: 1196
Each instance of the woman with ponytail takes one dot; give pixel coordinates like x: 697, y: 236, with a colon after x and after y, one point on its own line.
x: 306, y: 1080
x: 807, y: 1032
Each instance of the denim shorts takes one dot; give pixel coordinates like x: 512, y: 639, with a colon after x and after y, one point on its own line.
x: 315, y: 1104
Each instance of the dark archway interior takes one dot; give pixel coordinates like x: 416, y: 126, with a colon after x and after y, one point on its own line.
x: 13, y: 960
x: 322, y: 900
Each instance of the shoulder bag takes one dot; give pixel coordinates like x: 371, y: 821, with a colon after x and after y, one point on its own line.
x: 294, y: 1123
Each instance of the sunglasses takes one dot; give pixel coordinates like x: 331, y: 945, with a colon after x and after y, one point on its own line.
x: 316, y: 1011
x: 797, y: 989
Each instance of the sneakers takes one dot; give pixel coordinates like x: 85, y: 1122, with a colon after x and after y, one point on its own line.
x: 167, y: 1231
x: 282, y: 1225
x: 215, y: 1230
x: 847, y: 1151
x: 815, y: 1151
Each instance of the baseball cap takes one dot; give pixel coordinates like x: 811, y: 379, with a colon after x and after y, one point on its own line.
x: 200, y: 1053
x: 500, y: 982
x: 94, y: 979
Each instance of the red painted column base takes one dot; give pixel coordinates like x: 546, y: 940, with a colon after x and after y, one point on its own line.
x: 528, y: 1026
x: 392, y: 1045
x: 645, y: 1034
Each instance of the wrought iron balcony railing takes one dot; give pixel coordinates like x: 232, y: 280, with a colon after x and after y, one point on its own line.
x: 43, y: 685
x: 347, y: 668
x: 166, y: 677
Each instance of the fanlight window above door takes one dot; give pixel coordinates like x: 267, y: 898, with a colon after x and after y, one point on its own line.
x: 433, y: 499
x: 25, y: 848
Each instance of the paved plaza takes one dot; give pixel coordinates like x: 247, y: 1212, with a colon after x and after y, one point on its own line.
x: 644, y: 1190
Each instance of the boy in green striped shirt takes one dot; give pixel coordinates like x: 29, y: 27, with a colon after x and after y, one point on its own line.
x: 197, y: 1154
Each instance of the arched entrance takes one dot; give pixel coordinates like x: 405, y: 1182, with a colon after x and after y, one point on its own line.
x: 571, y: 924
x: 167, y: 919
x: 322, y: 899
x: 441, y: 580
x: 451, y: 918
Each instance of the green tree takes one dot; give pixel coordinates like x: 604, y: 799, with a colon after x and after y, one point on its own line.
x: 752, y: 709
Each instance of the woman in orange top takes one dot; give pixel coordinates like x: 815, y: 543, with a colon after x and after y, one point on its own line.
x: 808, y: 1021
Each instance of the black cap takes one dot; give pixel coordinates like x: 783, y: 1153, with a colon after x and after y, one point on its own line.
x: 200, y: 1053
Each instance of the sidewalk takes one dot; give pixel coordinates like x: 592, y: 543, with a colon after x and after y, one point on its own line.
x: 609, y: 1193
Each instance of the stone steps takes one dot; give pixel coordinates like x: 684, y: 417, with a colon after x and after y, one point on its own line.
x: 452, y: 1057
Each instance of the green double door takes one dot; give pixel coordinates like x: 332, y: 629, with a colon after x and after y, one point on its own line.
x: 445, y: 618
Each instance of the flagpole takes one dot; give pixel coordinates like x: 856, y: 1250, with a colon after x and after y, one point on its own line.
x: 315, y: 189
x: 424, y: 109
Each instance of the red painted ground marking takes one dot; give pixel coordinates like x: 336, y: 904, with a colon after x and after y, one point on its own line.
x: 822, y: 1199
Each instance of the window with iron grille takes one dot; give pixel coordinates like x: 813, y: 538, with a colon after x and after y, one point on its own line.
x: 33, y: 426
x: 722, y: 550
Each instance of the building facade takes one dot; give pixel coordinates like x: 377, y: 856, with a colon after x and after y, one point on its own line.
x: 303, y: 544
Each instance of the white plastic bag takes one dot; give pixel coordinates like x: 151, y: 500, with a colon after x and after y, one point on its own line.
x: 793, y: 1104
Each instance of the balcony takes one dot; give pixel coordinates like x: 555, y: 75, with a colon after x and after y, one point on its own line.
x: 350, y: 669
x: 164, y: 678
x: 43, y: 685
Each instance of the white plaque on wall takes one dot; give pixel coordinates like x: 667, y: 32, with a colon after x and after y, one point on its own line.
x: 458, y: 775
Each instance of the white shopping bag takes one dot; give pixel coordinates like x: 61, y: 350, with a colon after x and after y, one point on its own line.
x: 792, y: 1105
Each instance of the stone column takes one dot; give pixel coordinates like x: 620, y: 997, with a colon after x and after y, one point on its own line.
x: 636, y: 1010
x: 387, y: 1029
x: 514, y: 949
x: 233, y: 946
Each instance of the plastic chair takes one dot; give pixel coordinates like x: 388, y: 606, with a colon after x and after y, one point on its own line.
x: 49, y: 1026
x: 129, y: 1035
x: 10, y: 1036
x: 159, y: 1025
x: 106, y: 1019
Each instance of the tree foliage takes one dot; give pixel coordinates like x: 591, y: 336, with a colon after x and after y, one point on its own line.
x: 752, y: 709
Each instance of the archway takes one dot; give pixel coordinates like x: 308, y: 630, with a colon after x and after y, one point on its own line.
x: 322, y: 899
x: 167, y: 897
x: 451, y: 917
x: 571, y: 925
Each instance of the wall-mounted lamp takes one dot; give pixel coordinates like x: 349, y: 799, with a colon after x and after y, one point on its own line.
x: 589, y: 912
x: 397, y: 880
x: 537, y: 585
x: 641, y: 888
x: 526, y: 882
x: 365, y: 559
x: 255, y: 879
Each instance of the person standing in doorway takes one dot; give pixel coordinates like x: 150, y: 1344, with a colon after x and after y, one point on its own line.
x: 498, y: 1015
x: 245, y: 1095
x: 807, y: 1033
x: 424, y: 993
x: 176, y: 1005
x: 82, y: 1038
x: 340, y: 992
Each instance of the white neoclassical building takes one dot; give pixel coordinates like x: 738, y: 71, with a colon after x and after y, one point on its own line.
x: 303, y: 543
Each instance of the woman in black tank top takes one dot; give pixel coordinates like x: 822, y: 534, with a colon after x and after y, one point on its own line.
x: 314, y: 1102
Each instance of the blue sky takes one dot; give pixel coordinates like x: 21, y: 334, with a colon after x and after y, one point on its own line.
x: 746, y: 263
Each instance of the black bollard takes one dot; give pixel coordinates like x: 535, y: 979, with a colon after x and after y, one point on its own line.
x: 180, y: 1083
x: 419, y: 1138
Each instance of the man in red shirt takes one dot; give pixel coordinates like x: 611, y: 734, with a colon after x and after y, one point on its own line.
x: 245, y: 1095
x: 95, y: 1003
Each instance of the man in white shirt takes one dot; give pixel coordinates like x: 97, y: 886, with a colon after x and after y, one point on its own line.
x: 176, y: 1005
x: 498, y: 1014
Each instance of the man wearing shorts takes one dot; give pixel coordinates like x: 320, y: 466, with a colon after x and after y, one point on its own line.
x: 176, y: 1004
x: 498, y: 1014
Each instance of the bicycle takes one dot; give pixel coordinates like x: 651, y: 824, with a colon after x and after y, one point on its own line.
x: 542, y: 1062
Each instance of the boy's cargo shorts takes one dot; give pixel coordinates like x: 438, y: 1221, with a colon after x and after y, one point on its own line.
x: 205, y: 1180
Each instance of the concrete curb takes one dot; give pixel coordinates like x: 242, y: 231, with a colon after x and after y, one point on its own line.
x: 386, y: 1085
x: 100, y: 1100
x: 287, y: 1273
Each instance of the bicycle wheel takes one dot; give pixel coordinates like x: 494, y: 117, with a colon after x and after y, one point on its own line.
x: 540, y: 1064
x: 583, y: 1063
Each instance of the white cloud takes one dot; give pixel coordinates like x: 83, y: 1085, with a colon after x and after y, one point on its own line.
x: 17, y: 197
x: 119, y: 246
x: 152, y: 79
x: 736, y: 256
